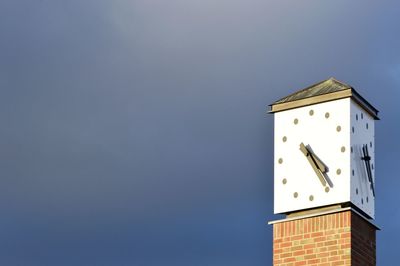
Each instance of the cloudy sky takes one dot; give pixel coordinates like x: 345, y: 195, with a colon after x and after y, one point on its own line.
x: 136, y: 133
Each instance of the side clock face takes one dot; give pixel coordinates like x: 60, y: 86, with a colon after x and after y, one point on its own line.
x: 363, y: 189
x: 312, y: 156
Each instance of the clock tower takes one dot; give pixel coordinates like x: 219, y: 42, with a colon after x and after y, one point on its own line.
x: 324, y: 176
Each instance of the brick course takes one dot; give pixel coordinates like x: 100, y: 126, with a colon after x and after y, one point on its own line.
x: 341, y: 238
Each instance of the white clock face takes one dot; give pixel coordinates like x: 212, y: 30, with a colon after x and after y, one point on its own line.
x: 362, y: 169
x: 318, y: 161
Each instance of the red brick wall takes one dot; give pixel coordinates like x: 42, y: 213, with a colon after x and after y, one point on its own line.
x: 340, y: 238
x: 363, y: 242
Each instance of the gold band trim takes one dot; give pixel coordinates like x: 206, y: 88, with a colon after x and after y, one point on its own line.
x: 325, y: 98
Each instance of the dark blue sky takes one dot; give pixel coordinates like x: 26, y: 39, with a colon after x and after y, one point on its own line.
x: 136, y: 133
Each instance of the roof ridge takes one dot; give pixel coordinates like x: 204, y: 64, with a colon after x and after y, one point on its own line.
x: 341, y: 82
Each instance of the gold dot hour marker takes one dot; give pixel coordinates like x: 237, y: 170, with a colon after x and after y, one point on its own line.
x: 296, y: 121
x: 326, y: 115
x: 338, y: 171
x: 311, y: 112
x: 284, y: 181
x: 311, y: 198
x: 280, y: 160
x: 327, y: 189
x: 295, y: 194
x: 284, y: 139
x: 343, y: 149
x: 338, y: 128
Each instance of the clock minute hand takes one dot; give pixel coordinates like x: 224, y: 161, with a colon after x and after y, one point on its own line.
x: 367, y: 159
x: 372, y: 182
x: 317, y: 160
x: 314, y: 165
x: 370, y: 171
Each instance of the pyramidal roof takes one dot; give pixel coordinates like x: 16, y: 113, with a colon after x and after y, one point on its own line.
x: 327, y: 90
x: 323, y: 87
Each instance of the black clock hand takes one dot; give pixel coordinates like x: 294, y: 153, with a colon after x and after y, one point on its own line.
x: 314, y: 165
x: 317, y: 160
x: 370, y: 177
x: 370, y: 170
x: 307, y: 151
x: 367, y: 159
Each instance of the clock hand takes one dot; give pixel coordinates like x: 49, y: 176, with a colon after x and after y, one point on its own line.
x: 317, y: 160
x: 369, y: 167
x: 372, y: 182
x: 369, y: 170
x: 307, y: 151
x: 367, y: 159
x: 314, y: 165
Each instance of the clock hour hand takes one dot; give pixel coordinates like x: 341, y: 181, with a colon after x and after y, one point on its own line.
x: 313, y: 163
x: 367, y: 159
